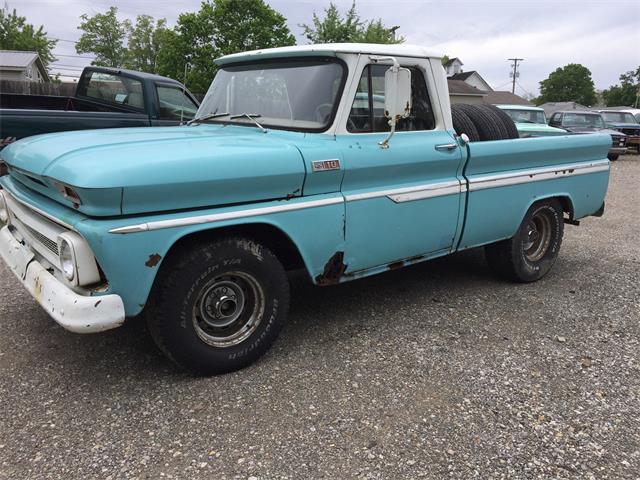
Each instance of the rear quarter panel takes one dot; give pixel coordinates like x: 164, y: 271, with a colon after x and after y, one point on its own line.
x: 495, y: 211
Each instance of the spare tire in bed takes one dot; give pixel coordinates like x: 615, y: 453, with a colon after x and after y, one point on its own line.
x: 487, y: 123
x: 507, y: 122
x: 463, y: 124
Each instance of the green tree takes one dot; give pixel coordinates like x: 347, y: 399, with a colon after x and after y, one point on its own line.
x: 144, y: 41
x: 626, y: 93
x: 335, y: 28
x: 17, y: 34
x: 571, y: 83
x: 104, y: 36
x: 219, y: 28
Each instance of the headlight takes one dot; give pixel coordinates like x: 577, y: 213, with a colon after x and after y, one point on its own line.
x: 67, y: 260
x: 77, y: 263
x: 4, y: 213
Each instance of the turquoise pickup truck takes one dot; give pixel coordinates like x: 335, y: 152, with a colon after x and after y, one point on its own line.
x: 285, y: 167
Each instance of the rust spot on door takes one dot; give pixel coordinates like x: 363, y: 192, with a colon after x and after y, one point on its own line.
x: 395, y: 265
x: 153, y: 260
x: 333, y: 270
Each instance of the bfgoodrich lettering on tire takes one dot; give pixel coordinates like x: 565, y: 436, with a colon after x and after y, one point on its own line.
x: 531, y: 252
x: 217, y: 307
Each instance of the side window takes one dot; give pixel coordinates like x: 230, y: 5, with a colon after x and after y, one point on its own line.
x: 175, y: 104
x: 115, y: 89
x: 555, y: 119
x: 367, y: 111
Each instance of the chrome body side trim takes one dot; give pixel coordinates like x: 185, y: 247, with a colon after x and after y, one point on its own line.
x: 397, y: 195
x: 517, y: 177
x: 429, y: 189
x: 218, y: 217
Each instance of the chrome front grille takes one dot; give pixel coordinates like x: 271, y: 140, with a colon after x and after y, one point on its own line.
x: 40, y: 232
x: 631, y: 131
x: 46, y: 242
x: 618, y: 140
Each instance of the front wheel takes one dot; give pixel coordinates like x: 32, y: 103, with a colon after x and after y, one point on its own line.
x: 613, y: 156
x: 531, y: 252
x: 217, y: 307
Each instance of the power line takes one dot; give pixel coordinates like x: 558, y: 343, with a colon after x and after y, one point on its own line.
x: 524, y: 90
x: 515, y: 74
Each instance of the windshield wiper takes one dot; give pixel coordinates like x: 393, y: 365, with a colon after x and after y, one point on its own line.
x: 206, y: 117
x: 252, y: 117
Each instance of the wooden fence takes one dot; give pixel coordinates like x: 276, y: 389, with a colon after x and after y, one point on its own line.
x: 37, y: 88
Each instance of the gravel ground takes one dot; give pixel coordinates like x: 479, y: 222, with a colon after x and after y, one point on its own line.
x: 435, y: 371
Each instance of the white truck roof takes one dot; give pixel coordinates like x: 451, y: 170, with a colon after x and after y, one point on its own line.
x: 324, y: 49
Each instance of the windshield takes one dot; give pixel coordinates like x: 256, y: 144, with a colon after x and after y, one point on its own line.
x: 618, y: 117
x: 300, y: 94
x: 583, y: 120
x: 527, y: 116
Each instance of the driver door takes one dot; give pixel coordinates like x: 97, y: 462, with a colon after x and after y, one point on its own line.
x: 402, y: 203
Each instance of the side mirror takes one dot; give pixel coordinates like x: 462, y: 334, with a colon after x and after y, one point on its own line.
x: 397, y: 97
x: 397, y: 90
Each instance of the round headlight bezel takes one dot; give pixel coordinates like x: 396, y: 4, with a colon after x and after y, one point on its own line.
x: 67, y: 259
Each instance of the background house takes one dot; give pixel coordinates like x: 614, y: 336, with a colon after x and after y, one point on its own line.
x: 22, y: 66
x: 462, y: 92
x: 500, y: 97
x: 453, y: 66
x: 474, y: 79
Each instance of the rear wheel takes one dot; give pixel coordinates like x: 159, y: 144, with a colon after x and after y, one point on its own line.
x: 613, y: 156
x: 217, y: 307
x: 531, y: 252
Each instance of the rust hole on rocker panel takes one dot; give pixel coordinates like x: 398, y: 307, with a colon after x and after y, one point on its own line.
x: 333, y: 270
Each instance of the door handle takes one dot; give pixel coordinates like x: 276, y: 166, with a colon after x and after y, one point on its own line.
x: 446, y: 146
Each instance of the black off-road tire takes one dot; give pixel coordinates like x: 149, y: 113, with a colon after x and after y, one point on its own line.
x: 191, y: 288
x: 613, y: 156
x: 513, y: 261
x: 507, y: 121
x: 488, y: 125
x: 463, y: 124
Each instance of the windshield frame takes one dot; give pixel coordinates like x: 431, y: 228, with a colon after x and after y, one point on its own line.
x: 297, y: 59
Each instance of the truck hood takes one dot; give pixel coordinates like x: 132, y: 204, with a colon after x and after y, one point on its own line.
x: 139, y: 170
x: 541, y: 128
x: 632, y: 126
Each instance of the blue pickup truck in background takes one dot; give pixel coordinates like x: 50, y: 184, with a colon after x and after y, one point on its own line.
x: 284, y: 167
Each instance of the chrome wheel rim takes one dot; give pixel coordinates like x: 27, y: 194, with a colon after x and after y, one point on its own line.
x: 228, y: 309
x: 537, y: 237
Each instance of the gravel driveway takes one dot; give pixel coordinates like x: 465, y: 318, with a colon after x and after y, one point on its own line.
x: 435, y: 371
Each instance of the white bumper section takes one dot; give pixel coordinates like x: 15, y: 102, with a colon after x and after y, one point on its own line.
x: 77, y: 313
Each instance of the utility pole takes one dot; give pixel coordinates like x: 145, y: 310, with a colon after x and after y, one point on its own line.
x: 515, y: 74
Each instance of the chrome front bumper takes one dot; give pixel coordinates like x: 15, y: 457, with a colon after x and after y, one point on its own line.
x: 618, y: 150
x: 74, y: 312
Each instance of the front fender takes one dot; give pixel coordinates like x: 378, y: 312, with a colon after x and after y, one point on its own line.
x: 130, y: 261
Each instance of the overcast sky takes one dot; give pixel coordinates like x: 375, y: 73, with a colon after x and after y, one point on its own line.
x: 602, y: 35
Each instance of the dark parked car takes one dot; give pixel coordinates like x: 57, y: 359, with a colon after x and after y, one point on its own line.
x: 578, y: 121
x: 105, y: 98
x: 623, y: 122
